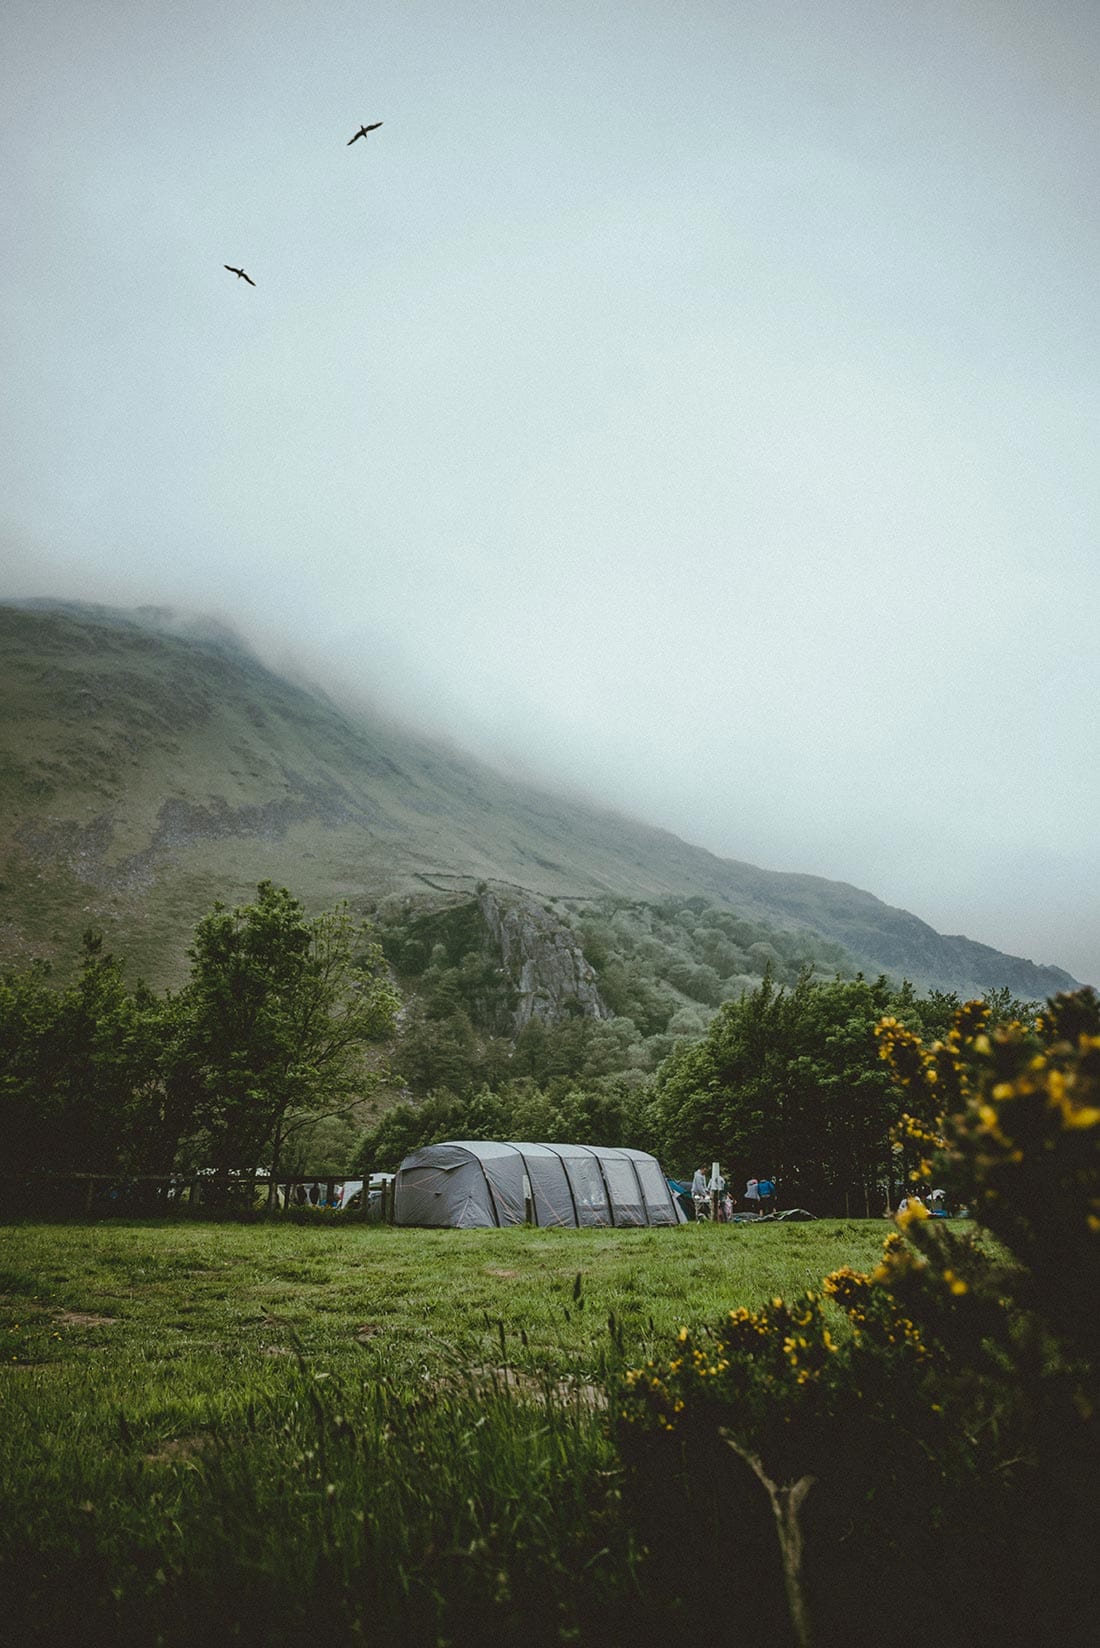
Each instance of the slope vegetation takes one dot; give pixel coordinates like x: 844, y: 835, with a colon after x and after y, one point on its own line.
x: 150, y: 765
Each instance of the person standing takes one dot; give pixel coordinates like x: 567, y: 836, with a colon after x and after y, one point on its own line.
x: 716, y: 1184
x: 765, y: 1189
x: 752, y: 1198
x: 699, y: 1193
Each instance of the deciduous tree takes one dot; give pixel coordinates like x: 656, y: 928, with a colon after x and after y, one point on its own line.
x: 280, y: 1010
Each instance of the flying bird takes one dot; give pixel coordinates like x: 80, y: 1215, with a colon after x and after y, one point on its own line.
x: 240, y: 274
x: 362, y: 132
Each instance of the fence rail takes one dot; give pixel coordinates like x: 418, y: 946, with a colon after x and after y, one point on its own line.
x: 103, y: 1195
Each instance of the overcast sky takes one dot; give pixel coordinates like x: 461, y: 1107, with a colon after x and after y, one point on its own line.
x: 695, y: 403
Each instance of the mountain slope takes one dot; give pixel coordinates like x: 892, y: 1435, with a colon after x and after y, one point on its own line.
x: 148, y: 766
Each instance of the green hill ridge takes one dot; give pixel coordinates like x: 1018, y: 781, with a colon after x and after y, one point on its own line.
x: 151, y: 763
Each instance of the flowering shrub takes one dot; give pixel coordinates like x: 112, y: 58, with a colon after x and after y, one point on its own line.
x: 1010, y: 1117
x: 931, y: 1428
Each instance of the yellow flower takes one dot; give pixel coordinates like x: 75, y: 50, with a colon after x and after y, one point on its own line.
x: 955, y: 1283
x: 1080, y: 1115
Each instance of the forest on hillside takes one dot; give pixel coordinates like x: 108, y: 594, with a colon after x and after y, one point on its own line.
x: 661, y: 970
x: 328, y: 1045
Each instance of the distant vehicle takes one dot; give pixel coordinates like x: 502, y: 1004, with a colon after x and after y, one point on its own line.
x: 353, y: 1195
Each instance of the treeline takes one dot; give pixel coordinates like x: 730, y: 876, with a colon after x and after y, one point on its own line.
x: 786, y: 1082
x: 288, y: 1024
x: 266, y: 1041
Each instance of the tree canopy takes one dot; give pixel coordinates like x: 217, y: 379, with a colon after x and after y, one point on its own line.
x: 279, y: 1009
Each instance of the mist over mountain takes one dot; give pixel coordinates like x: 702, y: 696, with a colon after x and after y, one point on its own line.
x: 150, y: 762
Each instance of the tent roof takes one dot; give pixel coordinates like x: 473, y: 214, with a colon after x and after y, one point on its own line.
x: 486, y: 1150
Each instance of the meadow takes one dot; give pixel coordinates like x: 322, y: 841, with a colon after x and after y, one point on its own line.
x: 393, y: 1435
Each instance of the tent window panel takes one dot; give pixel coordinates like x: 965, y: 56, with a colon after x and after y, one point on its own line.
x: 550, y: 1192
x: 506, y: 1179
x: 625, y: 1196
x: 588, y: 1190
x: 657, y: 1199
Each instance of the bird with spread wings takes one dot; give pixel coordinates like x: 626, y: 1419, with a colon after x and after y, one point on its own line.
x: 362, y: 132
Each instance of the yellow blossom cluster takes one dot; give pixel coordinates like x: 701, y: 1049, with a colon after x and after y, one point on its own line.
x: 902, y: 1049
x: 1015, y: 1108
x: 869, y: 1304
x: 646, y: 1394
x: 912, y: 1130
x: 788, y: 1346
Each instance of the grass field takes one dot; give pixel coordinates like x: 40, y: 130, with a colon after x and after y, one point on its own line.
x: 244, y: 1429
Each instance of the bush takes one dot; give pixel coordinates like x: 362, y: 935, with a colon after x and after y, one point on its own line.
x: 917, y: 1445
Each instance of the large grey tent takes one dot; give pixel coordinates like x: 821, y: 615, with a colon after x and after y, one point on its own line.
x: 467, y: 1183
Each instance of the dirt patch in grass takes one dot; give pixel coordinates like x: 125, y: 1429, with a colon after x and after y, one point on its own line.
x: 84, y: 1319
x: 492, y: 1270
x: 178, y: 1449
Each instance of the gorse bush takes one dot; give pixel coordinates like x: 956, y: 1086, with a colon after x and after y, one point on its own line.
x: 1009, y: 1116
x: 918, y: 1443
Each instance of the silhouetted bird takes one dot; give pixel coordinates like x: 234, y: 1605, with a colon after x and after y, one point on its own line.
x: 362, y: 132
x: 240, y: 274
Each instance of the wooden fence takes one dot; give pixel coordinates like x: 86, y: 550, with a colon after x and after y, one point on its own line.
x: 112, y: 1195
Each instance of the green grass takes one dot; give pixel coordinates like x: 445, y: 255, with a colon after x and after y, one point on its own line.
x: 228, y: 1428
x: 383, y: 1301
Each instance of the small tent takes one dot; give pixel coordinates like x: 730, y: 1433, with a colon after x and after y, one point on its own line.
x: 469, y: 1183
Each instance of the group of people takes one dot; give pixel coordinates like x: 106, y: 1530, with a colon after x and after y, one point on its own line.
x: 712, y: 1192
x: 933, y: 1201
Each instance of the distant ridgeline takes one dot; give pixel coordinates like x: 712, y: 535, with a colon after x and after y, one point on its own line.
x: 149, y: 764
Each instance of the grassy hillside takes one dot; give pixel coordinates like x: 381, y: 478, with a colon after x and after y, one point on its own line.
x: 148, y: 767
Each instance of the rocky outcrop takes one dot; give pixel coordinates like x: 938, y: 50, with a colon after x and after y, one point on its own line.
x: 542, y: 960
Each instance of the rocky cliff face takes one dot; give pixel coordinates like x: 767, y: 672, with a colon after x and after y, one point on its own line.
x: 542, y: 961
